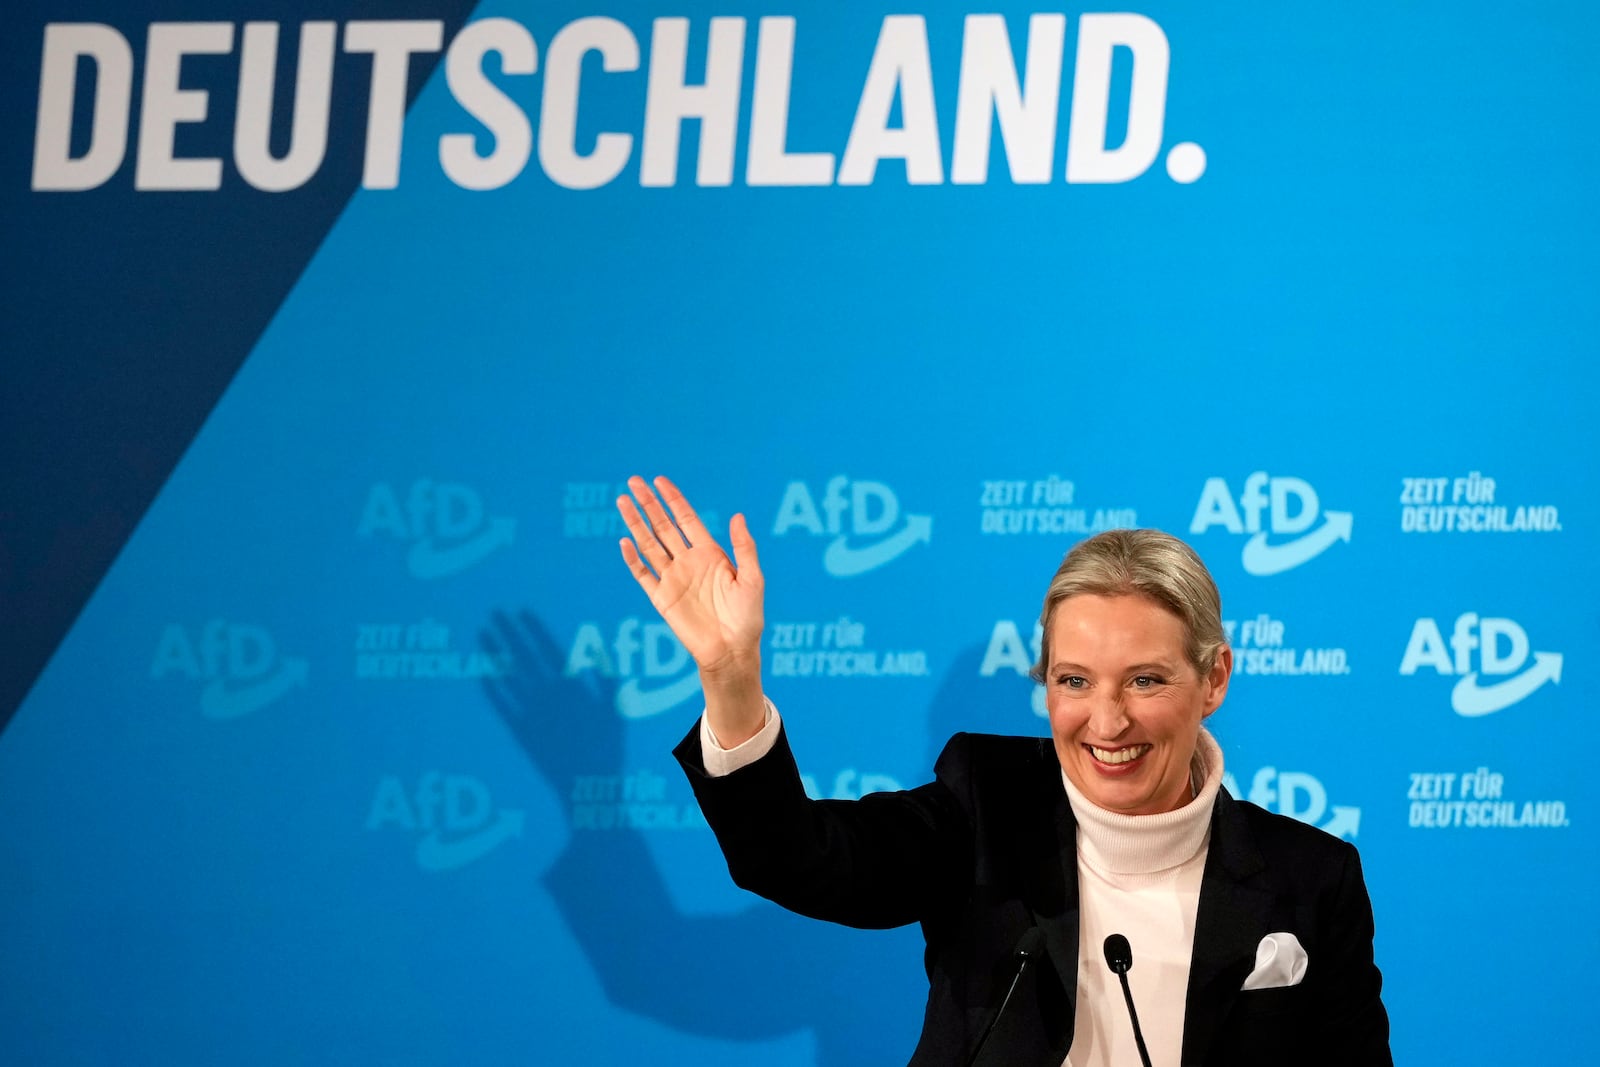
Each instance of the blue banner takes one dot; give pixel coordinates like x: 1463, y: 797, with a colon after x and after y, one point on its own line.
x: 344, y: 333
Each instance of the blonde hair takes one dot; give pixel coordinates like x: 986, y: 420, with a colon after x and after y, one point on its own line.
x: 1145, y: 563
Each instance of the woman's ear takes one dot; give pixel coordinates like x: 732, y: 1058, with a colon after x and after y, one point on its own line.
x: 1216, y: 680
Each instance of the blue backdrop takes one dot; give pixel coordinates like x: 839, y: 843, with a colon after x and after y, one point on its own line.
x: 340, y: 732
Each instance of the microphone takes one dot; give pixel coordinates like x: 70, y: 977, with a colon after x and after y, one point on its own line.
x: 1119, y: 957
x: 1028, y: 948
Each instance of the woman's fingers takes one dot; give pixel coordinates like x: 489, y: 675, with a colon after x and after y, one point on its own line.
x: 641, y: 573
x: 660, y: 522
x: 643, y: 536
x: 689, y: 523
x: 660, y: 539
x: 744, y: 549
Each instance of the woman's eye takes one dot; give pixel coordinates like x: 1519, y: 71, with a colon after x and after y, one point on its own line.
x: 1146, y: 681
x: 1074, y: 681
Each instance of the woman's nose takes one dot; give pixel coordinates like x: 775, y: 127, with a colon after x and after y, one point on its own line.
x: 1108, y: 718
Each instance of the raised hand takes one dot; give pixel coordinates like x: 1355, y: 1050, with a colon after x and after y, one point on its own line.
x: 714, y: 609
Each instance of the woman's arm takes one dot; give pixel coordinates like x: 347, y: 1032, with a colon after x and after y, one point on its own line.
x: 884, y: 860
x: 881, y: 861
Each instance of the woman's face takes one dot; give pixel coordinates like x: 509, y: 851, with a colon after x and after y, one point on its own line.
x: 1125, y: 702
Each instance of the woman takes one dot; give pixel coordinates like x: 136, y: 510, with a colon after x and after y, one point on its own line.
x: 1251, y: 933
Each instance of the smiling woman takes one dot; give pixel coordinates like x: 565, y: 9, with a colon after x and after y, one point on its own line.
x: 1126, y: 704
x: 1133, y: 658
x: 1253, y: 932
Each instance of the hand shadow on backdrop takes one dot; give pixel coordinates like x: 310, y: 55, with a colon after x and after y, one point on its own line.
x: 759, y: 974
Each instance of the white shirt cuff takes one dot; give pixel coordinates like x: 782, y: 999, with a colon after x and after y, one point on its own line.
x: 721, y: 761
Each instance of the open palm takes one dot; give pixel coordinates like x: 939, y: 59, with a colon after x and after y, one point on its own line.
x: 714, y: 608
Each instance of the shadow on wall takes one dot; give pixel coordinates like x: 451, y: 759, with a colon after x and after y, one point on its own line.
x: 757, y: 975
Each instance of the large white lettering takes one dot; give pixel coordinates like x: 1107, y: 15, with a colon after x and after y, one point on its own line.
x: 998, y: 85
x: 899, y: 65
x: 770, y: 162
x: 53, y: 164
x: 483, y: 100
x: 313, y: 95
x: 1088, y: 158
x: 1027, y: 114
x: 165, y: 105
x: 558, y: 115
x: 391, y: 45
x: 715, y: 103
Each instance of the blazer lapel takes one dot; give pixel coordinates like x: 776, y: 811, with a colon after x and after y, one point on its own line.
x: 1037, y: 1029
x: 1054, y: 903
x: 1232, y: 918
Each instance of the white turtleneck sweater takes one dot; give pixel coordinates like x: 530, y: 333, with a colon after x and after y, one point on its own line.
x: 1138, y: 875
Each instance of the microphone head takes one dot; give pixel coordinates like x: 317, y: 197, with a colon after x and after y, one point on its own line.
x: 1119, y: 954
x: 1030, y: 944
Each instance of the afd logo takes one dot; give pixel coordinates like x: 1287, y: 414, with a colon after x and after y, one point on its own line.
x: 1472, y: 697
x: 851, y: 784
x: 1006, y: 651
x: 658, y: 674
x: 1299, y: 796
x: 445, y: 523
x: 453, y: 813
x: 863, y: 519
x: 1291, y: 509
x: 238, y: 662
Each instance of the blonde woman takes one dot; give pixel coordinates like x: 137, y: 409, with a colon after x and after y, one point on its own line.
x: 1024, y: 857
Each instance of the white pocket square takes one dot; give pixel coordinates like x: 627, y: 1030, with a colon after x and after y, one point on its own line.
x: 1280, y: 961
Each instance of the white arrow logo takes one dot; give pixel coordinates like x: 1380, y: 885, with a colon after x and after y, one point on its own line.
x: 425, y: 561
x: 1263, y: 559
x: 217, y: 701
x: 842, y: 561
x: 1470, y: 699
x: 1346, y: 822
x: 436, y: 854
x: 636, y: 702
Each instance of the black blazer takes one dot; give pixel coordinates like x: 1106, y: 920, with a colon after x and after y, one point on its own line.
x: 988, y: 849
